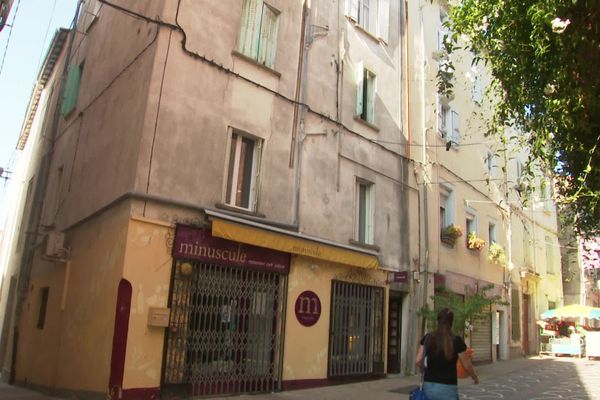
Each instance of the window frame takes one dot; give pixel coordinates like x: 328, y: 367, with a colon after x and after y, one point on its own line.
x: 492, y: 233
x: 252, y: 35
x: 234, y: 155
x: 447, y: 194
x: 366, y: 92
x: 365, y: 230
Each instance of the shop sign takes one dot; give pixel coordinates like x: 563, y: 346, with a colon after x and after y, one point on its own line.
x: 400, y: 277
x: 308, y: 308
x: 198, y: 244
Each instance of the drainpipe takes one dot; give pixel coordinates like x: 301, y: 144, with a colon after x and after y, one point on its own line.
x: 305, y: 41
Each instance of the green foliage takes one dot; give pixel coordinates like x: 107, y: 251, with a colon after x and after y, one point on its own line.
x: 466, y: 309
x: 496, y: 254
x: 543, y: 56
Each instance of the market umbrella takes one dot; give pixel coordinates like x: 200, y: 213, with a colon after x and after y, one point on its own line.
x: 572, y: 311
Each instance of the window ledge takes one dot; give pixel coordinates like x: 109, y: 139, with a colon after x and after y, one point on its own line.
x: 366, y: 123
x: 365, y: 31
x: 256, y: 63
x: 364, y: 245
x: 239, y: 210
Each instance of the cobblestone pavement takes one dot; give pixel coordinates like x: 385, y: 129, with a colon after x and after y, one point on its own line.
x: 550, y: 378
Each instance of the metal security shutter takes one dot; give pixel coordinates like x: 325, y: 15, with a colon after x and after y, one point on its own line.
x: 481, y: 339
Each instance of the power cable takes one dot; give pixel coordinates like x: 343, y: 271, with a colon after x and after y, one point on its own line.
x: 46, y: 34
x: 12, y: 25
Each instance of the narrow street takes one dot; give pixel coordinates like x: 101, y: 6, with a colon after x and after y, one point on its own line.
x: 547, y: 378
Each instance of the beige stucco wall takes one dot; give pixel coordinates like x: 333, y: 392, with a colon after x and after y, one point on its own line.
x: 306, y: 348
x: 80, y: 336
x: 147, y: 266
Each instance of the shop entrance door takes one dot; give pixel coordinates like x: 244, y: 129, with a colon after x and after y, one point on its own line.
x: 356, y: 333
x: 225, y: 331
x: 394, y: 330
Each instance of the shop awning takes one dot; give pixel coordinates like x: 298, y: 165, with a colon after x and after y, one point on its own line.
x: 237, y: 229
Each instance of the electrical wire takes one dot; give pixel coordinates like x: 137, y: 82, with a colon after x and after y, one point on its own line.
x: 12, y: 25
x: 46, y: 34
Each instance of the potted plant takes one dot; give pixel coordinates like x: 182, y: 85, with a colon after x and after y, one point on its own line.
x: 473, y: 242
x: 450, y: 234
x: 496, y: 254
x: 476, y: 304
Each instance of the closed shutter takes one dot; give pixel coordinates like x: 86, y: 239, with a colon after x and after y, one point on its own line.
x: 71, y: 92
x: 481, y: 339
x: 455, y: 128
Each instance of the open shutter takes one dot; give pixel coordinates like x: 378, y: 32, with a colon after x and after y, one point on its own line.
x: 268, y: 37
x: 371, y: 91
x: 440, y: 44
x: 71, y: 91
x: 441, y: 118
x: 352, y: 9
x: 250, y: 27
x: 455, y: 127
x: 360, y: 78
x: 383, y: 23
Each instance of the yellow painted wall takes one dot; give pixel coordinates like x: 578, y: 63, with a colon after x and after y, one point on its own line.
x: 305, y: 348
x: 73, y: 350
x: 148, y: 265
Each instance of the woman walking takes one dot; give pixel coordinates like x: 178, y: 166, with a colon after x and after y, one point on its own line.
x: 442, y: 350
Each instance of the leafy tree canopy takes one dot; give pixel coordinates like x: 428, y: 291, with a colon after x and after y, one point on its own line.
x: 544, y: 57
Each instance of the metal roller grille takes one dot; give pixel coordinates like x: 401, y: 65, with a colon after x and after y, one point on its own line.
x: 225, y: 331
x: 356, y: 337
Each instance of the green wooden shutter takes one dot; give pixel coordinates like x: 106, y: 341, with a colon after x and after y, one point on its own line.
x: 268, y: 37
x: 71, y: 92
x: 250, y: 28
x: 360, y: 77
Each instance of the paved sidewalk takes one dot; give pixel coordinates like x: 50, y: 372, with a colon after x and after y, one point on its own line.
x: 394, y: 387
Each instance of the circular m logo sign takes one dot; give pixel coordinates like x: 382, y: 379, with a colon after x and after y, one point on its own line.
x: 308, y: 308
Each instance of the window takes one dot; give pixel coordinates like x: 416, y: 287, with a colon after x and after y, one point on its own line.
x: 258, y: 32
x: 364, y: 212
x: 44, y: 292
x: 515, y: 315
x: 492, y: 233
x: 527, y: 247
x: 551, y: 305
x: 372, y: 15
x: 471, y: 223
x: 549, y: 256
x: 365, y: 94
x: 71, y: 91
x: 446, y: 207
x: 243, y: 171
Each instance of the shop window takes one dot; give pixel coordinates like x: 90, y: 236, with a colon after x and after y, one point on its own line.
x: 243, y: 170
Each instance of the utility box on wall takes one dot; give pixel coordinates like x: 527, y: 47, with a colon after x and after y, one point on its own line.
x: 158, y: 316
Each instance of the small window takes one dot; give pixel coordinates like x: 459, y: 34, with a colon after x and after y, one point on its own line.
x: 242, y: 172
x: 44, y: 293
x: 492, y: 235
x: 365, y: 96
x: 71, y: 91
x: 446, y: 208
x: 471, y: 224
x: 364, y: 212
x: 258, y: 32
x: 454, y: 128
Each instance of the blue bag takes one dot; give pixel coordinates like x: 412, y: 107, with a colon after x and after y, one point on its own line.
x: 418, y: 393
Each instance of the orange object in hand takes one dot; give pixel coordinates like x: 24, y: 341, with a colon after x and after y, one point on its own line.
x: 460, y: 371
